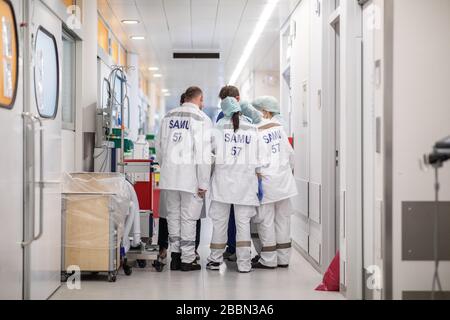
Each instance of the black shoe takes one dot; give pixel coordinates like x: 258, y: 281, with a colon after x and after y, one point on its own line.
x: 256, y: 259
x: 283, y: 266
x: 162, y: 260
x: 227, y: 254
x: 194, y: 266
x: 175, y: 264
x: 259, y: 265
x: 215, y: 266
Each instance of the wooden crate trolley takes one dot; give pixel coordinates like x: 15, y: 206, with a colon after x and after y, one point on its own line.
x: 92, y: 212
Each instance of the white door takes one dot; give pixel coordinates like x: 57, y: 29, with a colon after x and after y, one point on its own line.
x: 11, y: 159
x: 372, y: 152
x: 368, y: 140
x: 43, y: 219
x: 337, y: 130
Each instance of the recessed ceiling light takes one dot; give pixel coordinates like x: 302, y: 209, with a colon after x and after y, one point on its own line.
x: 153, y: 68
x: 137, y: 38
x: 157, y: 75
x: 270, y: 7
x: 165, y: 90
x: 130, y: 21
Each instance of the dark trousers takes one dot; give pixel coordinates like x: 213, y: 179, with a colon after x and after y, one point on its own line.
x: 198, y: 235
x: 231, y: 233
x: 163, y: 234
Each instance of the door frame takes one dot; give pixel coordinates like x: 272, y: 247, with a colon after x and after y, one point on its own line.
x: 349, y: 15
x: 330, y: 235
x: 12, y: 182
x: 388, y: 143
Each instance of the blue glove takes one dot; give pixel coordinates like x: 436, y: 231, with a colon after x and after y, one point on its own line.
x: 260, y: 190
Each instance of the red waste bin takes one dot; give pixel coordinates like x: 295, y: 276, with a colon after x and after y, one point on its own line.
x: 144, y: 194
x: 331, y: 279
x: 156, y: 195
x: 147, y: 193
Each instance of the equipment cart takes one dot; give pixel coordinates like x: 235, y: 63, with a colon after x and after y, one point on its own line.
x: 141, y: 172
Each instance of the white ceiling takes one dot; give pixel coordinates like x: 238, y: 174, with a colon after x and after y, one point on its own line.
x: 196, y: 25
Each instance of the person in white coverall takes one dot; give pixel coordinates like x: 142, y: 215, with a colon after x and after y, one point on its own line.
x: 274, y: 215
x: 256, y: 117
x: 184, y: 154
x: 237, y: 148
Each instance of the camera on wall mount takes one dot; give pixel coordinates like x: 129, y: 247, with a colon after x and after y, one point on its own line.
x: 440, y: 154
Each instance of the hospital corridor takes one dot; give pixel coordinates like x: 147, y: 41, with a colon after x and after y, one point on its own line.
x: 227, y: 285
x: 232, y: 153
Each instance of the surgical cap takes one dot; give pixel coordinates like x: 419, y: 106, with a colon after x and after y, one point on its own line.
x: 230, y: 106
x: 267, y: 103
x: 249, y: 111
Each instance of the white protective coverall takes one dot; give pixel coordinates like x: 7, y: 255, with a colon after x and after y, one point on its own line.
x: 238, y: 156
x: 274, y: 214
x: 184, y: 154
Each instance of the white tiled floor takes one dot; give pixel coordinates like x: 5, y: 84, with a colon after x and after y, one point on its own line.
x: 296, y: 283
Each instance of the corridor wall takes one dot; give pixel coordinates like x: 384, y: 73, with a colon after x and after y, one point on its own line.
x: 417, y: 115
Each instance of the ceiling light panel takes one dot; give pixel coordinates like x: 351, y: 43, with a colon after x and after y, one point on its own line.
x: 130, y: 22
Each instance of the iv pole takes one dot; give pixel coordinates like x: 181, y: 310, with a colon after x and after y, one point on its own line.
x: 437, y: 159
x: 436, y: 279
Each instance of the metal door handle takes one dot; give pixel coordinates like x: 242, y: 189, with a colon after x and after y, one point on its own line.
x: 33, y: 119
x: 344, y: 213
x: 41, y: 181
x: 28, y: 116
